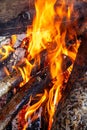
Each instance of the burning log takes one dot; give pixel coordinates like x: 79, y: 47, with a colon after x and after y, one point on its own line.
x: 9, y: 82
x: 14, y: 79
x: 71, y: 111
x: 33, y: 87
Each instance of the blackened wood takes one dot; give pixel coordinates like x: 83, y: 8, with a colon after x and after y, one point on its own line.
x: 33, y: 87
x: 71, y: 112
x: 9, y: 82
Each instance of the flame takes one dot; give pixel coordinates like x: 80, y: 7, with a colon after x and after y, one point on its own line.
x: 25, y: 72
x: 13, y: 39
x: 48, y: 32
x: 70, y: 53
x: 70, y: 9
x: 5, y: 51
x: 34, y: 107
x: 30, y: 110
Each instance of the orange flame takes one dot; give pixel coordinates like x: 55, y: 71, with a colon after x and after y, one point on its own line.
x: 32, y: 109
x: 13, y: 38
x: 25, y: 72
x: 48, y: 32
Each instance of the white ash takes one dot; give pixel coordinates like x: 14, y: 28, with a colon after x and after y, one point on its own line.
x: 5, y: 40
x: 20, y: 38
x: 17, y: 44
x: 19, y: 54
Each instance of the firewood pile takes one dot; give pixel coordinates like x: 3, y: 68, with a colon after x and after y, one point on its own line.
x: 71, y: 111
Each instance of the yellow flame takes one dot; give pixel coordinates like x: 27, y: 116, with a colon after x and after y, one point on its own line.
x: 5, y: 51
x: 25, y: 72
x: 34, y: 107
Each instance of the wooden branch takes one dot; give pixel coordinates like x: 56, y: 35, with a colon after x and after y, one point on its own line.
x: 33, y: 87
x: 70, y: 112
x: 9, y: 82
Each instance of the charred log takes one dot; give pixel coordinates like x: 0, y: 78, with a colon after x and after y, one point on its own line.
x: 33, y: 87
x: 9, y: 82
x: 71, y: 111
